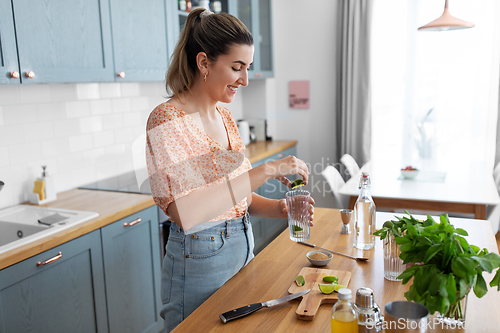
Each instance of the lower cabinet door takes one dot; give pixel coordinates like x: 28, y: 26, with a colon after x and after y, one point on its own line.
x: 59, y: 290
x: 131, y: 252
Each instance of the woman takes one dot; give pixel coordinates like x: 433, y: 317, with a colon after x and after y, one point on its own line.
x: 198, y: 172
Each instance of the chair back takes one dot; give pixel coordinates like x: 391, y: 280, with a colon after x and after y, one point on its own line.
x: 350, y: 164
x: 335, y: 181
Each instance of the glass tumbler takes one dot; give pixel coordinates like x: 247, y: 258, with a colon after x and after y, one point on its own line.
x: 393, y: 265
x: 297, y: 202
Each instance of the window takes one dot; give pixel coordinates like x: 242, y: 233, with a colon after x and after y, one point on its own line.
x: 435, y: 94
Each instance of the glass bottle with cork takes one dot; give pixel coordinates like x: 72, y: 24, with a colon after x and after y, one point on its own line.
x: 364, y: 216
x: 344, y: 318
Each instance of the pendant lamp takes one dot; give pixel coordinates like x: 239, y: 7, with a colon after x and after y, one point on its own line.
x: 446, y: 22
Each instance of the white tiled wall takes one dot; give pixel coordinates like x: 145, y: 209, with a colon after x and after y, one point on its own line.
x: 81, y: 132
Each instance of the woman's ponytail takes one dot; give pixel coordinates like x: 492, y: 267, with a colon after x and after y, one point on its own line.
x: 206, y: 32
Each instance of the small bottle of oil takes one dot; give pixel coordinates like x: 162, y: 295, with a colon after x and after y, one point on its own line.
x: 344, y: 317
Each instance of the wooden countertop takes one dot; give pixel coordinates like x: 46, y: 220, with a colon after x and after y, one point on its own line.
x: 111, y: 206
x: 272, y: 271
x: 260, y: 150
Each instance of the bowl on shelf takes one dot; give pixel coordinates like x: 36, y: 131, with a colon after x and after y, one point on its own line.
x: 319, y: 258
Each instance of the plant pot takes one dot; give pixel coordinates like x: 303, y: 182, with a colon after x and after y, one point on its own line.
x: 393, y: 265
x: 455, y: 317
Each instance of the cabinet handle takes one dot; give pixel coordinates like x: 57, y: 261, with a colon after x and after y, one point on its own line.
x: 258, y: 74
x: 30, y: 75
x: 121, y: 74
x: 281, y: 155
x: 51, y: 260
x: 14, y: 75
x: 132, y: 223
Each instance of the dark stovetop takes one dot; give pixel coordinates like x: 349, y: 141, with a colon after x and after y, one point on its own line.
x: 126, y: 182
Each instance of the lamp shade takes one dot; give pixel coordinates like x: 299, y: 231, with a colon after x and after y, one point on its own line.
x: 446, y: 22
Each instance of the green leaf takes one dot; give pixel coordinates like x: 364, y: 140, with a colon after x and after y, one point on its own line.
x: 461, y: 231
x: 437, y: 284
x: 406, y: 247
x: 431, y: 252
x: 463, y: 243
x: 402, y: 240
x: 408, y: 273
x: 496, y: 280
x: 463, y: 288
x: 411, y: 229
x: 488, y: 262
x: 480, y: 288
x: 462, y: 266
x: 451, y: 287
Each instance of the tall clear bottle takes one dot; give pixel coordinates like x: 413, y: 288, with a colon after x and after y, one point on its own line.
x: 344, y: 317
x: 364, y: 216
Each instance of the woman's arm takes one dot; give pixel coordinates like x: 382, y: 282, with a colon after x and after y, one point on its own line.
x: 204, y: 204
x: 265, y: 207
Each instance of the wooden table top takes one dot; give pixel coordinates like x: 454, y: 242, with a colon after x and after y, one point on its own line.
x: 270, y: 274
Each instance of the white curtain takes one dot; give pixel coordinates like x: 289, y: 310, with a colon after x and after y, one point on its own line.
x: 353, y: 114
x: 435, y: 94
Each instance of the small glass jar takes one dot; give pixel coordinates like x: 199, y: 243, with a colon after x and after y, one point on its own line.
x: 344, y: 318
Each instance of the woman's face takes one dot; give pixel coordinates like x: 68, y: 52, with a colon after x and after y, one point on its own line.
x: 229, y: 72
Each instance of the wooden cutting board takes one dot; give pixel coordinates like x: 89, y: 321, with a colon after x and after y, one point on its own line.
x: 311, y: 301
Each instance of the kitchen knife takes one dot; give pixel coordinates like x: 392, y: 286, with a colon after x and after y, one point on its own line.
x: 248, y: 309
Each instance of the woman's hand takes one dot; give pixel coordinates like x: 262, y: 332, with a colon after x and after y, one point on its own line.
x: 283, y: 209
x: 287, y: 166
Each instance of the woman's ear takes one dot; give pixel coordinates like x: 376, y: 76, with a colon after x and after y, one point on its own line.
x: 202, y: 62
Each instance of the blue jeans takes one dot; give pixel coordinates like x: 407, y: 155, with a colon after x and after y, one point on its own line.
x: 196, y: 265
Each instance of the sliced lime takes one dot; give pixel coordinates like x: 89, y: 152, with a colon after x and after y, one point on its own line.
x: 329, y: 288
x: 331, y: 279
x: 300, y: 280
x: 297, y: 182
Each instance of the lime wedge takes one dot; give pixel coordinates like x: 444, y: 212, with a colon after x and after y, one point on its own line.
x: 300, y: 280
x: 329, y: 288
x: 296, y: 183
x: 331, y: 279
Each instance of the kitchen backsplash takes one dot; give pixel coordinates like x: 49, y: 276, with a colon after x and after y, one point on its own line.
x: 81, y: 132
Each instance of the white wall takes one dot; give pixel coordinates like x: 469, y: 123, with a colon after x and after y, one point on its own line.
x: 304, y: 45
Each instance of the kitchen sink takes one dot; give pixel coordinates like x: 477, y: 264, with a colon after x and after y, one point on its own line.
x: 22, y: 224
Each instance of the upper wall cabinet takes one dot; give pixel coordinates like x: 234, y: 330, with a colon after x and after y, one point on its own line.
x: 62, y: 40
x: 9, y: 68
x: 139, y: 39
x: 256, y: 15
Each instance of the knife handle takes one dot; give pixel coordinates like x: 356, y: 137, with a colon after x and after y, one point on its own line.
x: 240, y: 312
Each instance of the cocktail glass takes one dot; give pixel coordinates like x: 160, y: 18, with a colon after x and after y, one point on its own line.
x: 297, y: 202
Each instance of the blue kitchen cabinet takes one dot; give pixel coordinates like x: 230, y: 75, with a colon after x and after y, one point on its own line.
x: 131, y: 252
x: 140, y: 39
x: 66, y: 294
x: 63, y: 40
x: 257, y: 16
x: 9, y: 67
x: 265, y: 229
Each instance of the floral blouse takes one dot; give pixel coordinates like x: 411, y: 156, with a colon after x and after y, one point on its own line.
x: 181, y: 157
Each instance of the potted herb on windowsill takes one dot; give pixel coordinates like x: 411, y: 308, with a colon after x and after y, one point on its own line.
x: 448, y: 267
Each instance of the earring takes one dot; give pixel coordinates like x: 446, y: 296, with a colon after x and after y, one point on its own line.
x: 205, y: 79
